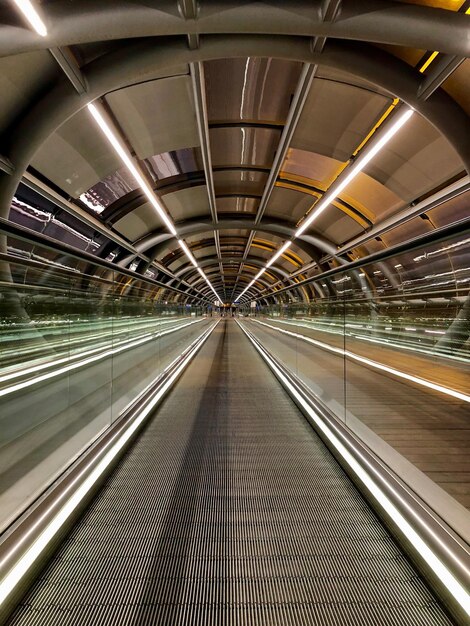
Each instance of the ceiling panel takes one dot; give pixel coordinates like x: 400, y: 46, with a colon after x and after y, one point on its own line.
x: 411, y: 229
x: 288, y: 204
x: 336, y: 118
x: 139, y: 222
x: 108, y: 190
x: 186, y: 203
x: 312, y: 167
x: 457, y: 85
x: 243, y: 146
x: 417, y: 160
x: 371, y: 198
x: 336, y: 226
x: 239, y: 182
x: 76, y: 156
x: 452, y: 211
x: 250, y: 89
x: 175, y: 163
x: 237, y: 205
x: 157, y: 116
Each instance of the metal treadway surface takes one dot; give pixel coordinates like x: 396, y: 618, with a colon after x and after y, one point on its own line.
x: 229, y: 510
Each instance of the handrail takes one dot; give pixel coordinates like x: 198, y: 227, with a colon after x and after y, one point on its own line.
x: 462, y: 227
x: 27, y: 234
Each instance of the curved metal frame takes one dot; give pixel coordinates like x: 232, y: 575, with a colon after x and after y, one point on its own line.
x: 374, y: 21
x: 141, y: 61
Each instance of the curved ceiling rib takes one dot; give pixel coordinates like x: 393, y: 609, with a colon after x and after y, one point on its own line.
x: 373, y: 21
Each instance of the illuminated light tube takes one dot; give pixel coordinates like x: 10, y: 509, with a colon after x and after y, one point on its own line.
x: 30, y: 13
x: 260, y: 273
x: 446, y: 577
x: 126, y: 159
x: 278, y: 254
x: 355, y: 169
x: 17, y: 572
x: 459, y: 395
x: 281, y: 251
x: 187, y: 252
x: 91, y: 359
x: 208, y: 283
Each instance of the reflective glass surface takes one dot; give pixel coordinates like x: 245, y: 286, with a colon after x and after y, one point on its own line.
x: 76, y: 350
x: 387, y: 349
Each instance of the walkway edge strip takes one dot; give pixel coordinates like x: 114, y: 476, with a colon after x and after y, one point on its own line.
x: 441, y: 556
x: 23, y: 549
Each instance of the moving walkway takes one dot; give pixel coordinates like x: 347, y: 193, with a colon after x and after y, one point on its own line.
x: 229, y: 509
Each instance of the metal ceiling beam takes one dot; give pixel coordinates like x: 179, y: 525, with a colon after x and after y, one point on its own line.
x: 188, y: 268
x: 295, y: 111
x: 89, y: 220
x: 38, y: 239
x: 69, y: 66
x: 440, y: 71
x: 379, y: 21
x: 189, y: 11
x: 455, y: 229
x: 200, y: 100
x: 329, y: 11
x: 309, y: 244
x: 412, y: 211
x: 6, y: 165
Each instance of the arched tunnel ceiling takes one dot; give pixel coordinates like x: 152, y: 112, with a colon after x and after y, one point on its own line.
x: 241, y: 117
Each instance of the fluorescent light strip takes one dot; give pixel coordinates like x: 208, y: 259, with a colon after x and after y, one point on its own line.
x: 23, y: 565
x: 281, y: 251
x: 152, y: 198
x: 92, y: 359
x: 126, y: 159
x: 30, y: 13
x: 187, y: 252
x: 355, y: 169
x: 278, y: 254
x: 446, y: 577
x: 209, y: 283
x: 341, y: 185
x: 379, y: 366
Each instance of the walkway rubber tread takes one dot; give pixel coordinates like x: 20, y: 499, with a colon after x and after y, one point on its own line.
x: 229, y: 510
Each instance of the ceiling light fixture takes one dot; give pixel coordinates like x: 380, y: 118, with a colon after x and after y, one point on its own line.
x: 337, y: 188
x: 278, y: 254
x: 187, y: 252
x: 355, y: 169
x: 30, y: 13
x: 281, y: 250
x: 125, y: 157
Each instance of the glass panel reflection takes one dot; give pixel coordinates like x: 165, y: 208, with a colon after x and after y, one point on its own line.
x: 76, y: 350
x: 386, y: 347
